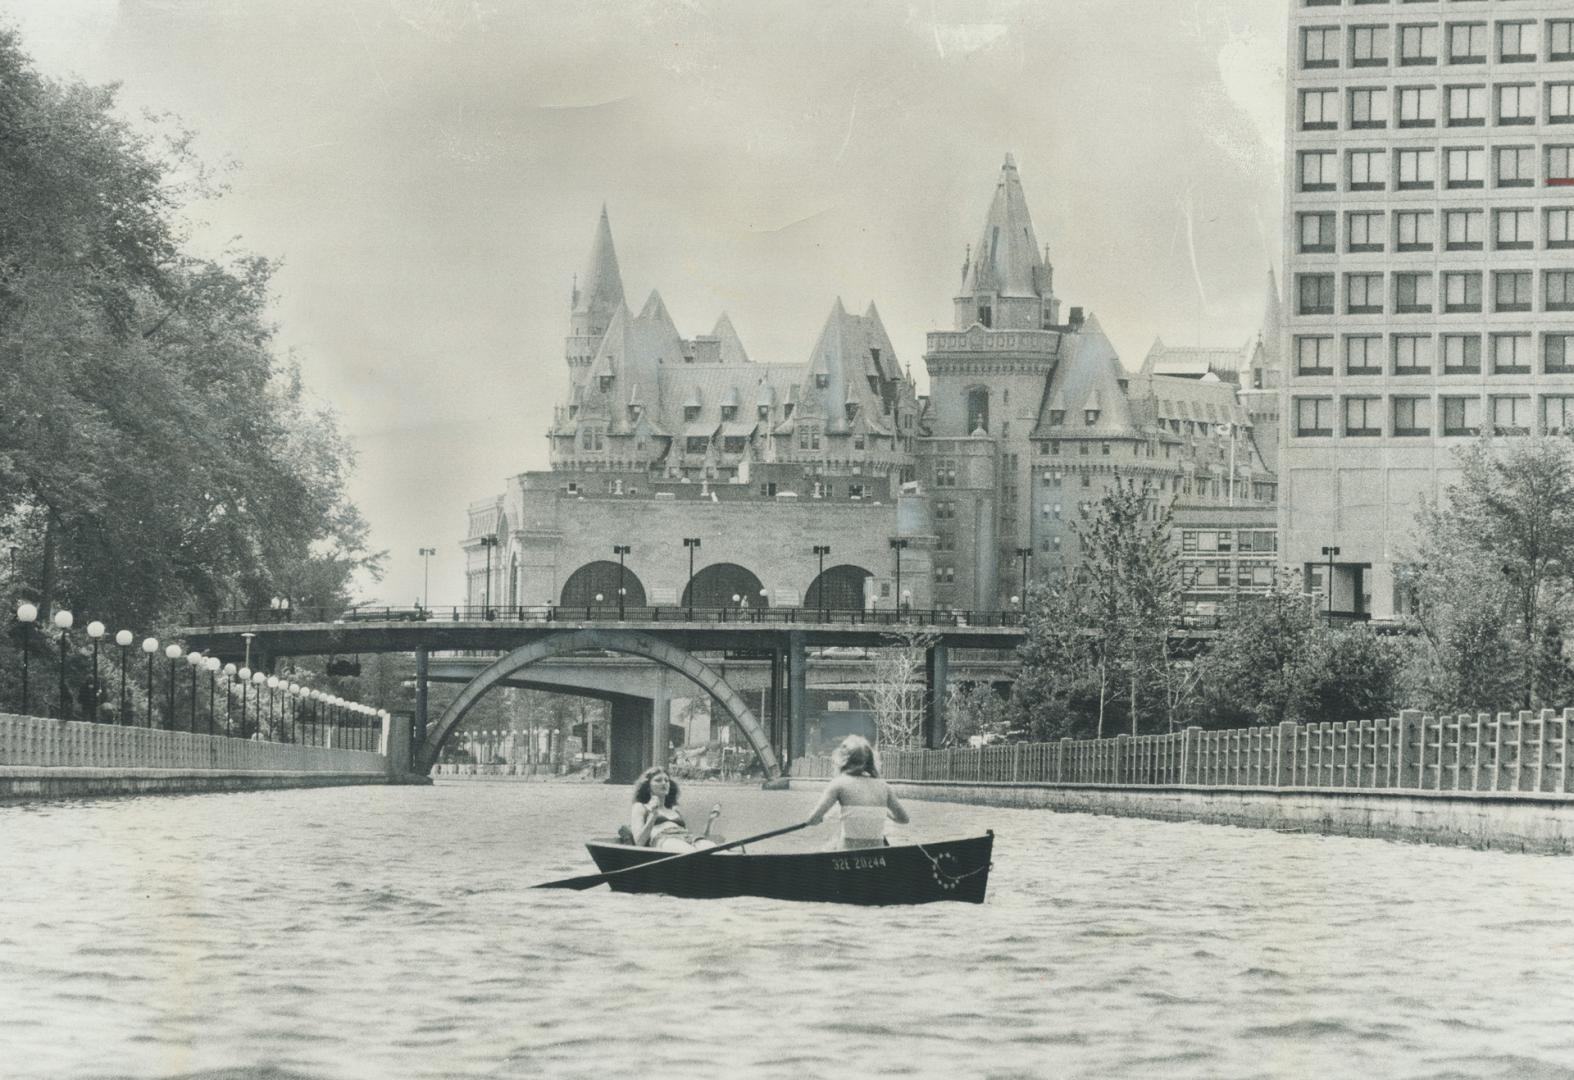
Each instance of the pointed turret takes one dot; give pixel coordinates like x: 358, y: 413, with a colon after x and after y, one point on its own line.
x: 600, y: 289
x: 1007, y: 284
x: 731, y: 346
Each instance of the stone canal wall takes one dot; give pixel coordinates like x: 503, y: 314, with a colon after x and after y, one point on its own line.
x: 1493, y: 781
x: 42, y: 758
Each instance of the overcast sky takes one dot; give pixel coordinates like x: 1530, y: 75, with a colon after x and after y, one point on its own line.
x: 430, y: 172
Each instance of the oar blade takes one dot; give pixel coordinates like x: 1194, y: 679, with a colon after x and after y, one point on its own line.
x: 587, y: 881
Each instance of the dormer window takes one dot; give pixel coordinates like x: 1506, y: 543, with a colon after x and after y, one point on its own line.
x: 822, y: 380
x: 1090, y: 417
x: 691, y: 412
x: 606, y: 383
x: 787, y: 411
x: 858, y: 442
x: 729, y: 412
x: 986, y: 315
x: 634, y: 411
x: 1057, y: 416
x: 764, y: 412
x: 874, y: 354
x: 573, y: 410
x: 852, y: 409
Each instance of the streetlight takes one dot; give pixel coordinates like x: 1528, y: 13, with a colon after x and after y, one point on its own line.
x: 426, y: 554
x: 63, y: 620
x: 821, y: 550
x: 150, y: 646
x: 765, y: 601
x: 1024, y: 553
x: 123, y: 638
x: 273, y: 712
x: 95, y: 630
x: 229, y: 696
x: 244, y: 675
x: 27, y: 615
x: 173, y: 652
x: 897, y: 544
x: 1329, y: 553
x: 693, y: 544
x: 489, y: 542
x: 257, y: 679
x: 212, y: 665
x: 247, y: 636
x: 195, y: 659
x: 620, y: 550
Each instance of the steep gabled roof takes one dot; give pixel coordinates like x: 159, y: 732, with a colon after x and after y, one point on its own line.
x: 845, y: 356
x: 732, y: 351
x: 1089, y: 376
x: 1007, y: 260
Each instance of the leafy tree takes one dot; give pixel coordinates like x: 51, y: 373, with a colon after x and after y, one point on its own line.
x: 1250, y: 673
x: 1057, y: 692
x: 974, y: 709
x: 1348, y: 673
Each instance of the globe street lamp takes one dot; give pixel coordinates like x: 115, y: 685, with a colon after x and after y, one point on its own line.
x: 821, y: 551
x: 229, y: 696
x: 257, y: 679
x: 244, y: 675
x: 273, y: 706
x: 212, y: 666
x: 693, y: 544
x: 194, y: 659
x: 173, y: 652
x: 95, y: 631
x: 620, y: 550
x: 247, y: 636
x: 63, y: 620
x: 123, y: 638
x: 150, y: 646
x: 26, y: 615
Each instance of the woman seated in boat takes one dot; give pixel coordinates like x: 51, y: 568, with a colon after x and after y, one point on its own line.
x: 865, y: 799
x: 655, y: 819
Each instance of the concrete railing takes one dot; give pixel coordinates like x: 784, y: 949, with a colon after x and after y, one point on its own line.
x: 74, y: 744
x: 1470, y: 753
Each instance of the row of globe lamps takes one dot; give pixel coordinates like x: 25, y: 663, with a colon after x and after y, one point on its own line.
x: 241, y: 677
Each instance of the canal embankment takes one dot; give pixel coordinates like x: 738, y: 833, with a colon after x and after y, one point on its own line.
x: 1500, y: 781
x: 42, y: 758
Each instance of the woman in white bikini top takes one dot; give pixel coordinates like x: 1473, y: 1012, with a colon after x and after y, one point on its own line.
x: 866, y: 800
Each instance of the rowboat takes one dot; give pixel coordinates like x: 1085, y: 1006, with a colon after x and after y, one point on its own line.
x: 901, y: 874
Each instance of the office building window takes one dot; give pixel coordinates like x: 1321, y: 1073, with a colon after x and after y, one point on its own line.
x: 1412, y: 292
x: 1314, y: 355
x: 1560, y: 39
x: 1316, y: 232
x: 1463, y: 229
x: 1418, y: 45
x: 1412, y: 354
x: 1513, y: 229
x: 1414, y: 230
x: 1558, y: 290
x: 1363, y: 416
x: 1557, y: 354
x: 1516, y: 103
x: 1367, y: 170
x: 1417, y: 169
x: 1466, y: 167
x: 1319, y: 170
x: 1368, y: 46
x: 1412, y: 416
x: 1417, y: 106
x: 1511, y: 354
x: 1559, y: 232
x: 1364, y: 230
x: 1461, y: 291
x: 1560, y: 166
x: 1511, y: 414
x: 1368, y: 107
x: 1557, y: 414
x: 1467, y: 43
x: 1560, y: 103
x: 1516, y: 42
x: 1516, y: 166
x: 1314, y: 416
x: 1315, y: 294
x: 1467, y: 106
x: 1511, y: 290
x: 1363, y: 294
x: 1461, y: 354
x: 1461, y: 416
x: 1363, y: 354
x: 1320, y: 47
x: 1319, y: 110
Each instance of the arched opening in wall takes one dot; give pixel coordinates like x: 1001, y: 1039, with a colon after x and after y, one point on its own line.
x: 840, y: 588
x: 601, y: 579
x: 716, y: 585
x: 978, y: 409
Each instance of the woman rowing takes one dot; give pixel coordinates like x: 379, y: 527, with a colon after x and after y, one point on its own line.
x: 865, y: 799
x: 655, y: 819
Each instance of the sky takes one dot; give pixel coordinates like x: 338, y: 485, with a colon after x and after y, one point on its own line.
x: 429, y: 174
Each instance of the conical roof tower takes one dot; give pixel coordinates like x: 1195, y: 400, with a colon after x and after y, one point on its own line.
x: 598, y: 296
x: 1007, y: 283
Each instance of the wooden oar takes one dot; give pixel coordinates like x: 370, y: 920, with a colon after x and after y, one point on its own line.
x: 587, y: 881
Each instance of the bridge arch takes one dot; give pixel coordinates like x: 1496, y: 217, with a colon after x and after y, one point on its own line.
x: 842, y: 588
x: 623, y: 641
x: 601, y: 579
x: 717, y: 584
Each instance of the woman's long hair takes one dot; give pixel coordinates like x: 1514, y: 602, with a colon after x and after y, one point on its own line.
x: 642, y: 786
x: 855, y: 757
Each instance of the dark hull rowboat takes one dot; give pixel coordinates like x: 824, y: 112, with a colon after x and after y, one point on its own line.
x: 905, y: 874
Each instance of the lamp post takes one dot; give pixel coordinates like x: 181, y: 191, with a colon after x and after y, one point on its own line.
x: 488, y: 542
x: 95, y: 631
x: 693, y: 544
x: 273, y: 705
x: 247, y: 636
x: 123, y: 639
x: 150, y: 647
x: 821, y: 551
x: 426, y: 554
x: 229, y: 697
x: 1329, y: 553
x: 63, y: 620
x: 620, y: 550
x: 27, y: 615
x: 173, y: 652
x: 897, y: 544
x: 194, y: 659
x: 1024, y: 553
x: 212, y: 666
x: 244, y: 675
x: 257, y: 679
x: 765, y: 602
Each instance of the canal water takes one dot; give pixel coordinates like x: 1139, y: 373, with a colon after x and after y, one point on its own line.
x: 385, y: 932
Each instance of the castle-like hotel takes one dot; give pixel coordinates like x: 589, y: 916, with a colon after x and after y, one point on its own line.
x: 833, y: 483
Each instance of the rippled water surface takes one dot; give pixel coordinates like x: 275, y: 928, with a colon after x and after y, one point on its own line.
x: 384, y: 932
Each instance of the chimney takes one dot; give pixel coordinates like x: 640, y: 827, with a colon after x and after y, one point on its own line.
x: 1075, y: 320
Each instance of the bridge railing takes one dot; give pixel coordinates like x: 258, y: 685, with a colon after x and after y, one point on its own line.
x: 552, y: 613
x: 1507, y: 752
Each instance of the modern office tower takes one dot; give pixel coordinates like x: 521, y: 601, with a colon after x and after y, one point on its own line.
x: 1429, y: 265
